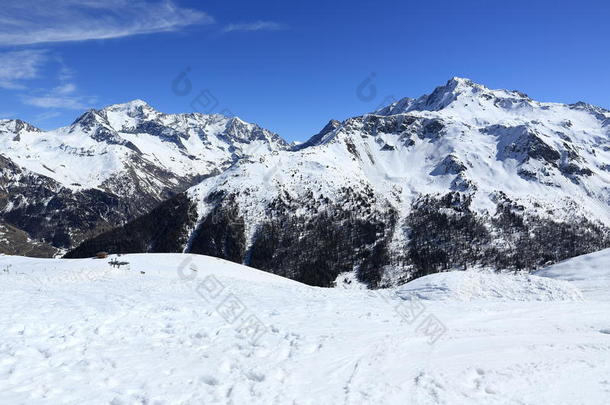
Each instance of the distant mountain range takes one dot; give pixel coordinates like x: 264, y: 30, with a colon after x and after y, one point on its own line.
x: 464, y: 176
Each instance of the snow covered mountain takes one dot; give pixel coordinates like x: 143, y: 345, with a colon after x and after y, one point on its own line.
x: 112, y: 165
x: 463, y: 176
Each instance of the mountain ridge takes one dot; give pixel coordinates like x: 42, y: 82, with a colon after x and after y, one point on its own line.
x: 403, y: 105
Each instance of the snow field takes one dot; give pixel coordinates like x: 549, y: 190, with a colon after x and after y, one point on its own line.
x: 120, y: 336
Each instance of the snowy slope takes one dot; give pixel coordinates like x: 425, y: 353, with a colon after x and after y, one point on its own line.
x: 81, y: 331
x: 589, y: 273
x: 473, y: 285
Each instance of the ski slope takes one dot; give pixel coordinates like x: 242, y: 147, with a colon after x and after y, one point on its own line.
x: 158, y: 331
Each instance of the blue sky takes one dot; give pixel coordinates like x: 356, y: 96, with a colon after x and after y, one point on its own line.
x: 290, y: 66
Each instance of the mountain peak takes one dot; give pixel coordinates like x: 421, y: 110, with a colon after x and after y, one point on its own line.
x: 442, y: 96
x: 456, y: 88
x: 17, y: 125
x: 133, y: 103
x: 457, y: 81
x: 320, y: 137
x: 137, y: 103
x: 132, y: 106
x: 88, y: 119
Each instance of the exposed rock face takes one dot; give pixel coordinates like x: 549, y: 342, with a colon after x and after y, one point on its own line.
x: 14, y: 241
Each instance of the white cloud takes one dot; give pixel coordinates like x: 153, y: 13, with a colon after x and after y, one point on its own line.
x: 66, y: 88
x: 47, y: 115
x: 255, y: 26
x: 56, y: 100
x: 20, y: 65
x: 25, y: 22
x: 65, y: 73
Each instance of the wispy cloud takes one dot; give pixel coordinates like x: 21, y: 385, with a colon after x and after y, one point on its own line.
x: 67, y: 88
x: 255, y: 26
x: 26, y: 22
x: 17, y: 66
x: 65, y: 73
x: 47, y: 115
x: 56, y: 100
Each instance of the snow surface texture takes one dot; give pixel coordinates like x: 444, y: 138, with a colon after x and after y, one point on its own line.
x: 471, y: 285
x: 157, y: 331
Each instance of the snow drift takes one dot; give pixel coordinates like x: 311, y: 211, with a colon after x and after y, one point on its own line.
x: 472, y: 285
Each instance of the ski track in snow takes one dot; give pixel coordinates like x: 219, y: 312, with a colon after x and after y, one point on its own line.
x: 80, y: 332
